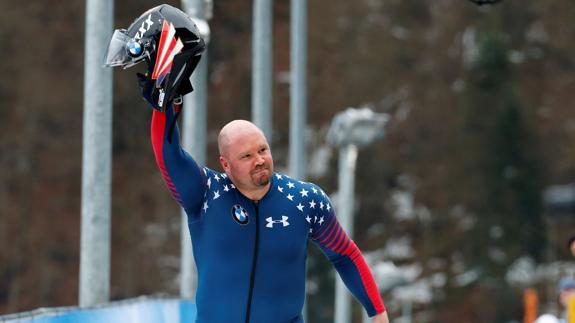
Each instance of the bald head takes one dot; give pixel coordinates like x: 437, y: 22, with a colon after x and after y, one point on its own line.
x: 246, y: 158
x: 234, y: 130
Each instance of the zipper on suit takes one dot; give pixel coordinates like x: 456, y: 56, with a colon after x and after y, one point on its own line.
x: 254, y: 263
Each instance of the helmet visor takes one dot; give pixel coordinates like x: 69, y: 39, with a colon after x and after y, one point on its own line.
x: 123, y: 50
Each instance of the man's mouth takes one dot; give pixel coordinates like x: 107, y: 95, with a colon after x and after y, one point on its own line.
x: 259, y: 170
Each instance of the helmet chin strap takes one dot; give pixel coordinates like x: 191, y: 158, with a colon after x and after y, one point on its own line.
x: 177, y: 104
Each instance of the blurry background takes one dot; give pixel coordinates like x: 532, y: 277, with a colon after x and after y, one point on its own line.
x: 453, y: 206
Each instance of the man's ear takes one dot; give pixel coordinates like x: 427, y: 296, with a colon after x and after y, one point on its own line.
x: 224, y: 163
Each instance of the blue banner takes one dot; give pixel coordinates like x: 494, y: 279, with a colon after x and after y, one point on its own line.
x: 133, y: 311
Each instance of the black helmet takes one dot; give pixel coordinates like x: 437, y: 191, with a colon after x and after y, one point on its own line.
x: 169, y: 41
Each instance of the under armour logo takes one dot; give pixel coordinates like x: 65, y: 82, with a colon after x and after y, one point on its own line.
x: 271, y: 221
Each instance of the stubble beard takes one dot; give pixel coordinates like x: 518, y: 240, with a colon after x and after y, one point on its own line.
x: 262, y: 178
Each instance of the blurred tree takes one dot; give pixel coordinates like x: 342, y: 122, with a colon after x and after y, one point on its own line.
x: 505, y: 174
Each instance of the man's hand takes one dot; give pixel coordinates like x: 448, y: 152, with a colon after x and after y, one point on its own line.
x: 149, y: 93
x: 380, y: 318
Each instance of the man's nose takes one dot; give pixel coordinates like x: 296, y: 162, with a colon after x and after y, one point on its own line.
x: 260, y: 160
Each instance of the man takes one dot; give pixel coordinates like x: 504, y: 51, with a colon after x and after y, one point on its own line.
x: 565, y: 293
x: 250, y: 227
x: 566, y: 290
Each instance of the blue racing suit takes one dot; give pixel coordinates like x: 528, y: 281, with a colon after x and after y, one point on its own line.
x: 251, y: 255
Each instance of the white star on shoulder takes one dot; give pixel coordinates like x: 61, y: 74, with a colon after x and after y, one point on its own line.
x: 216, y: 194
x: 321, y: 220
x: 303, y: 192
x: 314, y: 190
x: 281, y: 189
x: 278, y: 176
x: 226, y: 188
x: 209, y: 182
x: 205, y: 207
x: 290, y: 197
x: 224, y: 175
x: 290, y: 185
x: 308, y: 219
x: 312, y: 204
x: 328, y: 207
x: 232, y: 186
x: 300, y: 207
x: 217, y: 178
x: 321, y: 205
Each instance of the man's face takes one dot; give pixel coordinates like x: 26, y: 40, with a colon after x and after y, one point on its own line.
x: 565, y: 295
x: 247, y: 160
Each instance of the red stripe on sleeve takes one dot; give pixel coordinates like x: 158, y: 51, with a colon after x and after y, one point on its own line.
x: 332, y: 235
x: 343, y: 246
x: 352, y: 251
x: 158, y: 130
x: 369, y: 283
x: 158, y: 127
x: 328, y: 232
x: 337, y: 239
x: 328, y: 226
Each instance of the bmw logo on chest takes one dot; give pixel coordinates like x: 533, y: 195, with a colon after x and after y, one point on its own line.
x: 240, y: 214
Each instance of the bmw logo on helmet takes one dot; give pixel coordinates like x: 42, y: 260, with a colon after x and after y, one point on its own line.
x: 240, y: 214
x: 134, y: 48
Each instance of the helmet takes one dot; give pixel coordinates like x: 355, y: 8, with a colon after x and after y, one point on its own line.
x: 565, y: 283
x: 547, y: 318
x: 169, y: 41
